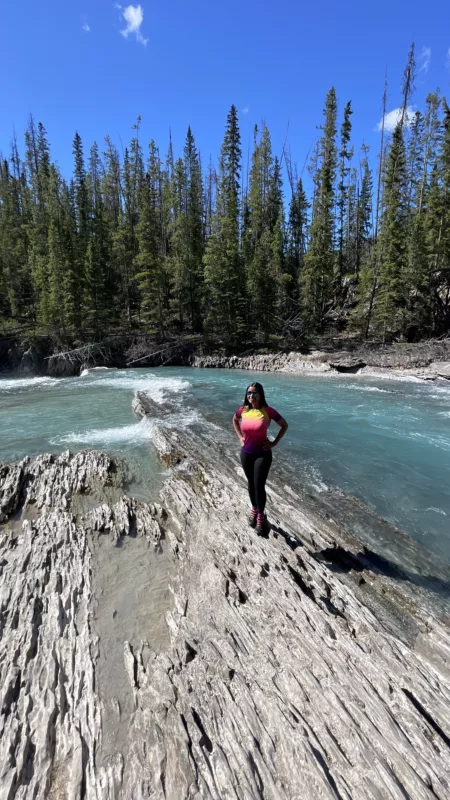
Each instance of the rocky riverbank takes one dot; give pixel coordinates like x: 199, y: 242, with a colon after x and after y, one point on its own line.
x: 428, y: 361
x: 45, y: 356
x: 293, y: 666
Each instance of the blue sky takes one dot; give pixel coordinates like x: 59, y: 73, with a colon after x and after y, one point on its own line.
x: 93, y: 66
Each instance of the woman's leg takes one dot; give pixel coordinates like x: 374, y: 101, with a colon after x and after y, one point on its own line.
x: 248, y: 465
x: 261, y: 471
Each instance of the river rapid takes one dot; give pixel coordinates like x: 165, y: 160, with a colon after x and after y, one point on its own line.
x: 385, y: 442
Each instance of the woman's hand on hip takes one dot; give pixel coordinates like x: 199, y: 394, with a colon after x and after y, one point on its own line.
x: 268, y: 445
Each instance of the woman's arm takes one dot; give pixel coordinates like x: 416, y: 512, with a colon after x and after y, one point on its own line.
x: 237, y: 428
x: 283, y: 428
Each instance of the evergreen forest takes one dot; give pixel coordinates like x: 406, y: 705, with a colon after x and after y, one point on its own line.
x: 148, y: 240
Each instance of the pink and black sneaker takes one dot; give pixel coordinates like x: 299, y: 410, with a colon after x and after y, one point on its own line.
x: 252, y: 517
x: 262, y: 525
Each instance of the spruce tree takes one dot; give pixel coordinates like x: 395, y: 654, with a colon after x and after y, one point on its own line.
x: 82, y: 215
x: 99, y: 300
x: 37, y: 161
x: 223, y: 270
x: 297, y: 237
x: 365, y: 212
x: 345, y: 156
x: 194, y: 231
x: 13, y: 244
x: 125, y: 244
x: 392, y: 243
x: 167, y: 248
x: 177, y: 260
x: 317, y: 283
x: 150, y: 274
x: 56, y: 272
x: 437, y: 226
x: 262, y: 211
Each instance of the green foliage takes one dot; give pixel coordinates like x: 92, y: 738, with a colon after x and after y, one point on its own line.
x: 224, y: 279
x: 392, y: 249
x: 139, y: 242
x: 317, y: 282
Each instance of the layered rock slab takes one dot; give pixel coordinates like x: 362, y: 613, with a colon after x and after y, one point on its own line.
x: 282, y: 680
x: 51, y: 715
x: 282, y: 676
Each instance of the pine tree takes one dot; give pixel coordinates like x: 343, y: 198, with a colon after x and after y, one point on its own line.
x: 177, y: 260
x: 13, y: 242
x: 392, y: 242
x: 165, y: 247
x: 264, y: 241
x: 125, y: 244
x: 437, y: 226
x: 259, y: 228
x: 56, y: 255
x: 430, y: 143
x: 417, y: 305
x: 408, y: 85
x: 365, y: 212
x: 345, y: 156
x: 37, y: 161
x: 99, y: 299
x: 150, y: 276
x: 317, y: 284
x: 82, y: 215
x: 350, y: 240
x: 194, y: 231
x: 223, y: 269
x: 297, y: 236
x: 111, y: 188
x: 69, y: 236
x: 366, y: 264
x: 281, y: 286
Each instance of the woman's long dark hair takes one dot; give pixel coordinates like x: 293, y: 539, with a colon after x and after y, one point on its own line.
x: 259, y: 389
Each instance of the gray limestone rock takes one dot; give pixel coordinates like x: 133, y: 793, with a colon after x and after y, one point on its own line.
x: 283, y: 668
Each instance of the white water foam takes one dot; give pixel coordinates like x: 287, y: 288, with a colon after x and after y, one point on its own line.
x: 437, y: 510
x: 137, y: 433
x: 156, y: 387
x: 127, y: 434
x: 440, y: 393
x: 88, y: 370
x: 316, y: 481
x: 438, y: 441
x: 13, y: 384
x: 373, y: 389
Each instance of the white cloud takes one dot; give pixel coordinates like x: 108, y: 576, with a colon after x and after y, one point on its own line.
x: 134, y: 17
x: 424, y: 59
x: 86, y: 27
x: 448, y: 59
x: 393, y: 117
x: 245, y: 110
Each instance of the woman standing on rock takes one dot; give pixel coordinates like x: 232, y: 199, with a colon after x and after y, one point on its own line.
x: 251, y: 422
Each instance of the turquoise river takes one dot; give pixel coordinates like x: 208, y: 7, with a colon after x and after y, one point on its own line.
x: 385, y: 442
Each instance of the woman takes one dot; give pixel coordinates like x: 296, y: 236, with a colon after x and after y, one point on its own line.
x: 251, y: 422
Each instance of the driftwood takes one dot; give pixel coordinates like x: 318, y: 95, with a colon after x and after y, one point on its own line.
x: 170, y: 349
x: 87, y: 354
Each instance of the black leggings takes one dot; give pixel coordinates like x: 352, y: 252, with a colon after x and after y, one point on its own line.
x: 256, y: 468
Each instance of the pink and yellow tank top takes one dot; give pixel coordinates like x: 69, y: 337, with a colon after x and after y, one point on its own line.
x: 254, y: 426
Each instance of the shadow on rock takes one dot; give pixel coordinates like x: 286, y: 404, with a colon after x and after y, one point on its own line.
x: 340, y: 560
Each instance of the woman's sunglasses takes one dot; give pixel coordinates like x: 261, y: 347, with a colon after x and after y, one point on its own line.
x: 255, y: 394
